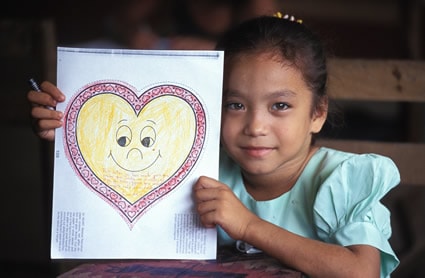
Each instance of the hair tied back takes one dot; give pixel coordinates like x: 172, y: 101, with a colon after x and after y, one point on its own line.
x: 287, y: 17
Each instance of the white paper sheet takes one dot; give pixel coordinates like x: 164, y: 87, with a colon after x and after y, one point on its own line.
x: 140, y: 128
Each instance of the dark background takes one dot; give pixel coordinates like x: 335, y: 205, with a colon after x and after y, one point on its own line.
x: 373, y: 29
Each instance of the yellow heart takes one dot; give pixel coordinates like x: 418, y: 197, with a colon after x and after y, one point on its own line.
x: 133, y: 150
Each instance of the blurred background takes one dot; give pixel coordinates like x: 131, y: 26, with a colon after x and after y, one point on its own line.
x: 31, y: 30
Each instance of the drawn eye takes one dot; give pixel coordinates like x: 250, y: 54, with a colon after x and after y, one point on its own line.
x: 147, y: 142
x: 148, y: 136
x: 123, y: 136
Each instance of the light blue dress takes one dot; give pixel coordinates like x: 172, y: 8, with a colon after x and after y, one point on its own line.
x: 336, y: 200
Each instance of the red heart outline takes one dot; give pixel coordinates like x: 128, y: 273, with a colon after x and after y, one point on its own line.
x: 131, y: 212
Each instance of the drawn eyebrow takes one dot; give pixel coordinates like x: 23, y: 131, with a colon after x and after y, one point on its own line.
x: 125, y: 120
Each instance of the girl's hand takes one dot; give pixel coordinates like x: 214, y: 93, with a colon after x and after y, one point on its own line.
x: 45, y: 119
x: 218, y: 205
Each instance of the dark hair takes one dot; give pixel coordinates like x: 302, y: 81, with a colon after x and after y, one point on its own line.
x: 292, y: 41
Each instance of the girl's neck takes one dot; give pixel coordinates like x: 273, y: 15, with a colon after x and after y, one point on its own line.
x: 271, y: 186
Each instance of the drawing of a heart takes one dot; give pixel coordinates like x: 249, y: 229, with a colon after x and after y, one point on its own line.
x: 133, y: 150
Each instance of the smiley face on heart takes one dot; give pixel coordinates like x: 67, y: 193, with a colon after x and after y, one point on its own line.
x: 133, y: 150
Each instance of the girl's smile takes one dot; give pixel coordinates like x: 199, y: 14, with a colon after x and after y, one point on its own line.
x: 257, y: 152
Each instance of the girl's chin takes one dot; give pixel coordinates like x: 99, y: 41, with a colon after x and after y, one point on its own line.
x: 255, y: 170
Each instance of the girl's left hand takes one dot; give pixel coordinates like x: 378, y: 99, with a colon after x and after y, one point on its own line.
x: 218, y: 205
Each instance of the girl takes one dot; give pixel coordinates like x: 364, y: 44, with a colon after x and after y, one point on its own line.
x: 315, y: 209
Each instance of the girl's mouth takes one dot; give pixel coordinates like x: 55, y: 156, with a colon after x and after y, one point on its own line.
x: 257, y: 152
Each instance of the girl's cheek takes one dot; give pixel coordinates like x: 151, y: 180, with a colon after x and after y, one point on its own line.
x: 227, y: 124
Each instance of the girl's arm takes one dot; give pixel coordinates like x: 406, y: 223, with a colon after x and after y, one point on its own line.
x: 217, y: 205
x: 45, y: 119
x: 313, y: 257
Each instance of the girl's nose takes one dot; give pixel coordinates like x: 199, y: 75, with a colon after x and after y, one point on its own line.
x: 255, y: 124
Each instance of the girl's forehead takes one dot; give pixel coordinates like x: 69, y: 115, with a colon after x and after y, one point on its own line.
x: 274, y: 63
x: 260, y: 56
x: 263, y: 75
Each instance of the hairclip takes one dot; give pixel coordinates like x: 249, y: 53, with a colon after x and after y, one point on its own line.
x: 287, y: 17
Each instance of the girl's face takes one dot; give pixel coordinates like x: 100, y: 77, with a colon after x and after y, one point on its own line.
x: 267, y: 119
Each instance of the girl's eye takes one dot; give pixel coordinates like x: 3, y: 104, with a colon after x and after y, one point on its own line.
x: 235, y: 106
x: 280, y: 106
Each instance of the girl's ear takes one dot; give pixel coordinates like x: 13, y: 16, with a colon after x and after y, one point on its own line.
x: 320, y: 114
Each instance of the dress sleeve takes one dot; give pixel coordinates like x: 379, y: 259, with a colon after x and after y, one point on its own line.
x: 347, y: 209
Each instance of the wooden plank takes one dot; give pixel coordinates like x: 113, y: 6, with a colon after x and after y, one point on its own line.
x: 409, y: 157
x: 377, y: 80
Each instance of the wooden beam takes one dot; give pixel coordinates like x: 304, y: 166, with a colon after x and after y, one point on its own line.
x: 377, y: 80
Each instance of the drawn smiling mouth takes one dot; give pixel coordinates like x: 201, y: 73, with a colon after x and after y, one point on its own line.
x: 137, y: 170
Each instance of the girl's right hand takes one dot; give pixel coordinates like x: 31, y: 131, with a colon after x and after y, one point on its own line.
x: 218, y: 205
x: 46, y: 119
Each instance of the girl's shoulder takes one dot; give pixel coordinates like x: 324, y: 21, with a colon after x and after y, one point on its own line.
x: 342, y: 180
x: 335, y: 164
x: 347, y: 174
x: 350, y: 185
x: 347, y: 208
